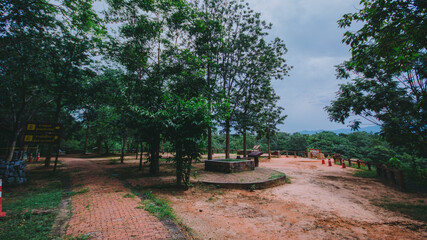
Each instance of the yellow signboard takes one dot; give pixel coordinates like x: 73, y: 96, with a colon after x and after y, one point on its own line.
x: 43, y: 133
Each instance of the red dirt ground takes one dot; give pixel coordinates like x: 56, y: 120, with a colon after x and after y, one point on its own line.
x: 321, y: 203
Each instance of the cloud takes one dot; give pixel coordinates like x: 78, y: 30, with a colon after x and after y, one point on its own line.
x: 310, y: 31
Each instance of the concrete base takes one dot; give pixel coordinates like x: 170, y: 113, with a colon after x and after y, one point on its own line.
x: 229, y: 167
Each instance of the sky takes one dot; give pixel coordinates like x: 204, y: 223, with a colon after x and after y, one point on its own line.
x: 310, y: 31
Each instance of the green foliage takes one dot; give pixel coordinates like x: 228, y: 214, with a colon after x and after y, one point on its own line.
x: 388, y: 84
x: 276, y: 175
x: 365, y: 174
x: 129, y: 195
x: 157, y: 207
x: 414, y: 211
x: 80, y: 191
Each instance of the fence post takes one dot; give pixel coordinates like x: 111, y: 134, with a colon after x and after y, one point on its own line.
x: 295, y: 154
x: 349, y: 162
x: 369, y: 165
x: 401, y: 180
x: 392, y: 179
x: 358, y: 163
x: 379, y: 170
x: 287, y: 154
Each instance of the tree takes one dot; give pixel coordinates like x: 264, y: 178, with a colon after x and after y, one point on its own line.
x: 34, y: 35
x: 150, y: 32
x: 387, y: 72
x: 270, y: 116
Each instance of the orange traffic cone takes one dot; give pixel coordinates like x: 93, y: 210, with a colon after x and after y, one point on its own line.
x: 2, y: 214
x: 31, y: 158
x: 329, y: 162
x: 323, y: 161
x: 343, y: 164
x: 38, y: 157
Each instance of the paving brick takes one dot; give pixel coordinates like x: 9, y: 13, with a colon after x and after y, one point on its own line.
x: 103, y: 212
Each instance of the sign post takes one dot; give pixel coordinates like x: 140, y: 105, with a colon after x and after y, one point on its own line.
x: 314, y: 153
x: 44, y: 133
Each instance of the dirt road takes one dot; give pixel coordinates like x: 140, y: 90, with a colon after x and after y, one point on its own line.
x: 321, y: 203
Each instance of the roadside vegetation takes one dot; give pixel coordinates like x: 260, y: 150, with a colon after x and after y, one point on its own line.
x: 31, y: 208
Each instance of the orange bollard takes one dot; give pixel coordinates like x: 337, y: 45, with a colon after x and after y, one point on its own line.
x: 2, y: 214
x: 343, y: 164
x: 329, y: 162
x: 38, y: 157
x: 31, y: 158
x: 323, y: 161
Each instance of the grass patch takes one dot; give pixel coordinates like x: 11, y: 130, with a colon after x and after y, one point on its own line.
x: 158, y: 207
x: 23, y: 204
x: 113, y: 161
x: 365, y: 174
x: 276, y: 175
x: 413, y: 211
x: 81, y: 191
x: 79, y: 237
x: 129, y: 195
x: 230, y: 160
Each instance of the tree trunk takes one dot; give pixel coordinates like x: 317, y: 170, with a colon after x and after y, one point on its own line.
x: 12, y: 146
x: 122, y: 156
x: 99, y: 144
x: 140, y: 156
x: 227, y: 138
x: 58, y: 111
x: 244, y: 144
x: 136, y: 150
x: 107, y: 148
x: 86, y: 136
x: 209, y: 144
x: 268, y: 144
x: 179, y: 165
x: 154, y: 156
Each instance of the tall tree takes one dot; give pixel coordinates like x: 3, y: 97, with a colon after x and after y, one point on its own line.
x: 387, y: 72
x: 270, y: 116
x: 150, y: 32
x: 31, y: 31
x: 242, y: 41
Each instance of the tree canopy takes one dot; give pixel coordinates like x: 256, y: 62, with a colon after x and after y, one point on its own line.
x: 386, y: 75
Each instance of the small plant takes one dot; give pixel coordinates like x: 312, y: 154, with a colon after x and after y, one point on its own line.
x: 195, y: 174
x: 129, y: 195
x: 113, y: 161
x: 252, y: 187
x: 157, y: 207
x: 242, y: 180
x: 79, y: 237
x: 88, y: 207
x: 81, y: 191
x: 276, y: 175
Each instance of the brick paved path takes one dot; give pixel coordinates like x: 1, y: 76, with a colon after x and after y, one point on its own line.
x: 103, y: 211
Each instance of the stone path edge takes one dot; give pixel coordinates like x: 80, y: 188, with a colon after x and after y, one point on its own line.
x: 62, y: 218
x: 251, y: 185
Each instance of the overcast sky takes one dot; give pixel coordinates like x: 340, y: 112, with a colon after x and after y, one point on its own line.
x: 310, y: 31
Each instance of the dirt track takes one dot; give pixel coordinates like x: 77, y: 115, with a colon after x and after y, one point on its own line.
x: 321, y: 203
